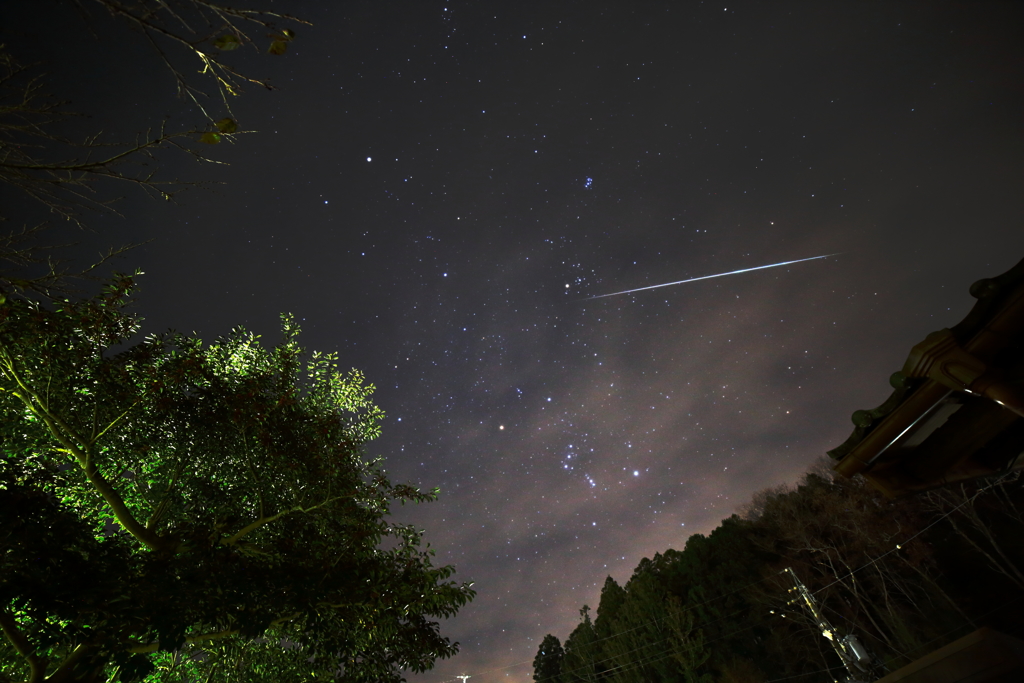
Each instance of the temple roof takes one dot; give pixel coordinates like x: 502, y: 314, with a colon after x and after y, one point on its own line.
x: 957, y: 405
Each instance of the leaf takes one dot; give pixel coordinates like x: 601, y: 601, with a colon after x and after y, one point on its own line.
x: 227, y: 125
x: 278, y: 47
x: 227, y: 42
x: 288, y: 34
x: 210, y: 138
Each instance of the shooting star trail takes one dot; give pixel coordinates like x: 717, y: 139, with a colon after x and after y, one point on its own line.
x: 708, y: 277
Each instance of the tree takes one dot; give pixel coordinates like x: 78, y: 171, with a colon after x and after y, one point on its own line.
x: 706, y: 575
x: 70, y: 174
x: 581, y: 652
x: 651, y: 635
x: 905, y: 576
x: 192, y: 512
x: 61, y: 172
x: 547, y: 665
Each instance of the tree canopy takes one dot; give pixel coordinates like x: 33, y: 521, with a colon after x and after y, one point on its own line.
x: 186, y: 511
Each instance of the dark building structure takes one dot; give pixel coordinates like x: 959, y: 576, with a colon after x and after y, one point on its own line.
x: 957, y: 409
x: 984, y: 656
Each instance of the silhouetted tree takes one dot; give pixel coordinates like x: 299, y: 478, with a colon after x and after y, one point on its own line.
x: 652, y: 638
x: 581, y: 652
x: 905, y: 576
x: 547, y: 665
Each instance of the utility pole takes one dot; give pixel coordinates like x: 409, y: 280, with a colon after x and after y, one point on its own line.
x: 853, y: 655
x: 464, y: 678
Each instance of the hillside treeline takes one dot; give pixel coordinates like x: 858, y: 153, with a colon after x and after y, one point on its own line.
x: 904, y: 576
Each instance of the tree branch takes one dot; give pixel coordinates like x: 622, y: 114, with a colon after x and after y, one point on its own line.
x: 161, y: 507
x: 153, y: 647
x: 37, y: 664
x: 96, y: 437
x: 64, y: 673
x: 263, y: 521
x: 82, y: 451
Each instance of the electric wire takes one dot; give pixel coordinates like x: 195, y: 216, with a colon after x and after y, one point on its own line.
x: 623, y: 633
x: 899, y: 546
x: 667, y: 653
x: 753, y: 583
x: 641, y: 625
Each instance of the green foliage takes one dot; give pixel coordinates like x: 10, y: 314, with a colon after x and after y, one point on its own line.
x: 182, y: 511
x: 278, y: 47
x: 227, y: 42
x: 280, y: 43
x: 227, y: 125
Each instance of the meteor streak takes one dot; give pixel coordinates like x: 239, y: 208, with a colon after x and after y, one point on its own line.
x: 708, y: 277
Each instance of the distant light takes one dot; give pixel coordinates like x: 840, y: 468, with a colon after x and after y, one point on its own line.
x: 636, y: 473
x: 446, y: 274
x: 501, y: 426
x: 369, y: 158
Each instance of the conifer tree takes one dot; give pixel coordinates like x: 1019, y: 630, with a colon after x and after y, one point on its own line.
x: 547, y: 665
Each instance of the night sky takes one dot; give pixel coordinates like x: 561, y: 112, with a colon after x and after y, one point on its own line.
x: 437, y: 187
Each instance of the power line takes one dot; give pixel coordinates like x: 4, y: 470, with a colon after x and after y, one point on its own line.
x: 643, y: 625
x: 899, y: 546
x: 691, y: 608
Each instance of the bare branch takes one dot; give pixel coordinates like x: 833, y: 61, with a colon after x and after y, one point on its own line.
x: 223, y: 27
x: 33, y: 268
x: 59, y: 172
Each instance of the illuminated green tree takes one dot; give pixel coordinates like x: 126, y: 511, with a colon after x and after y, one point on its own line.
x: 178, y: 511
